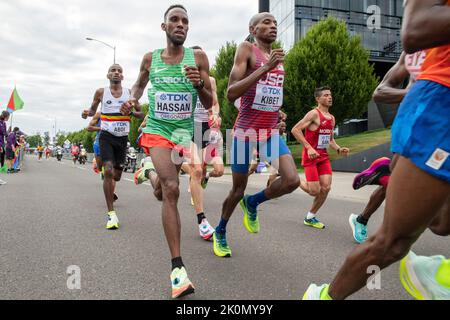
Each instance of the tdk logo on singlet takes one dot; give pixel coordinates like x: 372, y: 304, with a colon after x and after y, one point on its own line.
x: 109, y: 102
x: 271, y: 90
x: 175, y: 97
x: 174, y: 102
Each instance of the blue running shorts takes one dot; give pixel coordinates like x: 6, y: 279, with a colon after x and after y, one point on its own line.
x: 421, y: 131
x: 242, y: 152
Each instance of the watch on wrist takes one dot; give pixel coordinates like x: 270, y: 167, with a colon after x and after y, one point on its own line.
x: 200, y: 86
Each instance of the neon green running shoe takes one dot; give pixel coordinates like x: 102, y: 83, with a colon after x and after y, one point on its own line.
x: 221, y: 248
x: 181, y: 285
x: 316, y: 292
x: 426, y: 278
x: 113, y: 221
x: 205, y: 181
x: 139, y: 176
x: 315, y: 223
x: 251, y: 219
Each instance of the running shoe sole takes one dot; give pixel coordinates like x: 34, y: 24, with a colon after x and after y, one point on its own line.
x: 114, y: 227
x: 313, y: 225
x: 369, y: 175
x: 217, y: 252
x: 208, y: 237
x: 410, y: 281
x: 184, y: 291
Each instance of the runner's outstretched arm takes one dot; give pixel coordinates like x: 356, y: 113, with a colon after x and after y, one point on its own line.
x: 426, y: 24
x: 98, y: 96
x: 138, y: 89
x: 388, y: 91
x: 214, y: 112
x: 297, y: 131
x: 340, y: 150
x: 198, y: 74
x: 92, y: 127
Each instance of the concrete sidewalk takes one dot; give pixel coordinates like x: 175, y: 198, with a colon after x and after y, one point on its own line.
x: 341, y: 188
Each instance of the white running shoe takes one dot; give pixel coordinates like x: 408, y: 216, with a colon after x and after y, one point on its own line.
x: 426, y: 278
x: 113, y: 221
x: 206, y: 231
x: 315, y: 292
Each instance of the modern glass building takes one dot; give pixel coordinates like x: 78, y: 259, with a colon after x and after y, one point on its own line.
x: 295, y: 17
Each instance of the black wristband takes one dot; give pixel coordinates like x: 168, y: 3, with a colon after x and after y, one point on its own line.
x: 200, y: 86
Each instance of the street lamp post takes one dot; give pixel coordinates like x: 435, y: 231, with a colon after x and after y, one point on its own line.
x: 108, y: 45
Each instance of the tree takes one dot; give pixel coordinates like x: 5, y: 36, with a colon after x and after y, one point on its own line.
x: 46, y: 138
x: 34, y: 141
x: 61, y: 138
x: 221, y: 72
x: 329, y: 56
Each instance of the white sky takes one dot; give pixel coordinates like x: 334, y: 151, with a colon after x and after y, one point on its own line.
x: 56, y: 71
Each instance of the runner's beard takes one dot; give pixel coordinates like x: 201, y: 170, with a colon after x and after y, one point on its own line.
x: 175, y: 41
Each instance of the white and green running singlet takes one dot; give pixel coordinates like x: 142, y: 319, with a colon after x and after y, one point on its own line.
x: 172, y: 99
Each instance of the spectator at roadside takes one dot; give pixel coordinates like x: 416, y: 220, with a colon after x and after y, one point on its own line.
x: 4, y: 117
x: 11, y: 142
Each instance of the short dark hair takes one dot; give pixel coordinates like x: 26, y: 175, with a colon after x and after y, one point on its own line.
x: 196, y: 48
x: 174, y: 7
x: 16, y: 129
x: 4, y: 115
x: 318, y: 91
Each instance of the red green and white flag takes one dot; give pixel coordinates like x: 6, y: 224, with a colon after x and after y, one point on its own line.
x: 15, y: 102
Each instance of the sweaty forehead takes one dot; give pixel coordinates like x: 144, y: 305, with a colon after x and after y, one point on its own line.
x: 261, y: 17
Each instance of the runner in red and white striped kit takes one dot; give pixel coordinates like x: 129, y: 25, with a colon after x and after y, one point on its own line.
x: 257, y: 78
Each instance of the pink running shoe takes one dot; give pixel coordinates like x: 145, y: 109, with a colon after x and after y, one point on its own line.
x: 378, y: 169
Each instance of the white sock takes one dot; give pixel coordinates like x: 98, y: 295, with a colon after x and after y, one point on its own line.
x: 310, y: 216
x: 207, y: 175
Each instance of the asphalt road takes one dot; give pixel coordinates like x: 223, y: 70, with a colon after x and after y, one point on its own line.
x: 52, y: 216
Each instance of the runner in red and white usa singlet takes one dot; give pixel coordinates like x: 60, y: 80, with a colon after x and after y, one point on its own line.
x: 319, y: 140
x: 260, y: 105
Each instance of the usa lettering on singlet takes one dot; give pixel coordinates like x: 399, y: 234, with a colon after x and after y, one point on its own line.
x: 414, y: 62
x: 260, y: 105
x: 112, y: 121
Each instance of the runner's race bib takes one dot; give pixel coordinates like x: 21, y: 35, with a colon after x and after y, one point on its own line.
x: 324, y: 141
x: 116, y: 128
x: 173, y: 106
x: 268, y: 98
